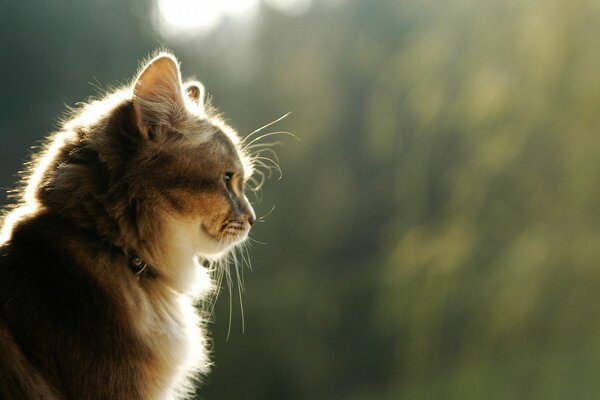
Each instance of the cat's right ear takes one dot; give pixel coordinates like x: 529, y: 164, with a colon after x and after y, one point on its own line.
x: 157, y: 94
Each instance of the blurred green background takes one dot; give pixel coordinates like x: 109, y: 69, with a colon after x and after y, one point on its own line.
x: 436, y: 233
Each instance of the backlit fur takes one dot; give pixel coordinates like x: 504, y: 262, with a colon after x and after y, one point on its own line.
x: 148, y: 172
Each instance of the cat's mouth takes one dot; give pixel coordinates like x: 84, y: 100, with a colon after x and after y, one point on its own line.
x: 235, y: 229
x: 229, y: 233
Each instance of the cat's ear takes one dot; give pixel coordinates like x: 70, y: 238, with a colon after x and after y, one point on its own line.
x: 157, y: 93
x: 195, y: 91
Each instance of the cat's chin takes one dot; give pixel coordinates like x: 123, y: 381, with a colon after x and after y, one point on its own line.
x: 209, y: 247
x: 191, y: 237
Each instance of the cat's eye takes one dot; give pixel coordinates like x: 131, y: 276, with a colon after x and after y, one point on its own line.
x: 227, y: 177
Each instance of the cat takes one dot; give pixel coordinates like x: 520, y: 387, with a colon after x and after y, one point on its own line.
x: 99, y: 264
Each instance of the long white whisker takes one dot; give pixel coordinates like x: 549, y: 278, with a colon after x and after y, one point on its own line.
x: 259, y: 145
x: 256, y: 241
x: 261, y: 183
x: 267, y: 214
x: 271, y: 134
x: 267, y: 150
x: 268, y: 168
x: 253, y: 180
x: 247, y: 250
x: 219, y: 269
x: 240, y: 290
x: 273, y: 162
x: 265, y: 126
x: 230, y: 287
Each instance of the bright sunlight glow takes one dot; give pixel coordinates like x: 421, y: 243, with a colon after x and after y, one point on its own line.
x: 177, y: 17
x: 190, y: 17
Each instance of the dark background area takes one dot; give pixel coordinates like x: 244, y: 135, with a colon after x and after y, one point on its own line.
x: 436, y: 230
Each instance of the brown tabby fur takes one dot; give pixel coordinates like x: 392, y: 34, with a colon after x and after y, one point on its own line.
x: 146, y: 175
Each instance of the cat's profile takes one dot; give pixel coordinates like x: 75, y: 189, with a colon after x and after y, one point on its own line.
x: 98, y: 263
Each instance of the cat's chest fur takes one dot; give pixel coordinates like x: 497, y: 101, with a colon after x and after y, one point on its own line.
x: 160, y: 327
x: 171, y: 330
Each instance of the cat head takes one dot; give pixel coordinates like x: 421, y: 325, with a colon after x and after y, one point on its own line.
x: 150, y: 169
x: 189, y: 161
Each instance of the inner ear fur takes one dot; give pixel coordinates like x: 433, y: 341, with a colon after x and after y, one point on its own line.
x: 157, y: 93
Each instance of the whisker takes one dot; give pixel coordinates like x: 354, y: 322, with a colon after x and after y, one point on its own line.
x: 268, y: 168
x: 256, y: 241
x: 259, y: 145
x: 240, y: 290
x: 271, y: 134
x: 221, y: 268
x: 274, y: 164
x: 220, y: 273
x: 216, y: 268
x: 253, y: 180
x: 265, y: 126
x: 230, y: 287
x: 247, y: 250
x: 267, y: 150
x: 236, y: 264
x: 267, y: 214
x: 261, y: 183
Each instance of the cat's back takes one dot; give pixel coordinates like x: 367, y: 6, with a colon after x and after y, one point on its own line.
x: 67, y: 329
x: 19, y: 378
x: 39, y: 264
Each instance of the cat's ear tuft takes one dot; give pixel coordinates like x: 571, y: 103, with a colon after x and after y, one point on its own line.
x: 195, y: 91
x: 157, y: 93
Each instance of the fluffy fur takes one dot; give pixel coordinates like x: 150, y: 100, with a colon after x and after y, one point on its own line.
x: 99, y: 262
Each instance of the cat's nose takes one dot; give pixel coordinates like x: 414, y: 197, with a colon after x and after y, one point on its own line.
x: 247, y: 209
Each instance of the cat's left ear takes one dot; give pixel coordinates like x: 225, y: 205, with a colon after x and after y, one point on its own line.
x: 195, y: 91
x: 157, y: 93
